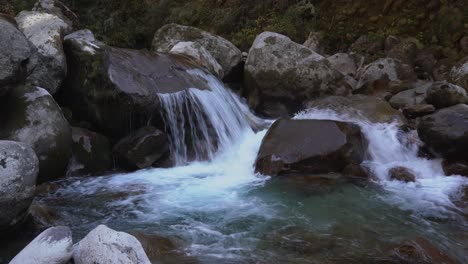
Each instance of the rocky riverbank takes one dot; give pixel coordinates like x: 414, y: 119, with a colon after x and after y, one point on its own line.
x: 74, y: 106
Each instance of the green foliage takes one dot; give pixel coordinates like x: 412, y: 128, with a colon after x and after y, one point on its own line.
x: 20, y: 5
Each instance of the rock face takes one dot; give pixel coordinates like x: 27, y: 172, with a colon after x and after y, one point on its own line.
x: 376, y: 75
x: 225, y: 53
x: 117, y: 89
x: 15, y: 51
x: 91, y: 153
x: 142, y: 148
x: 200, y: 55
x: 402, y: 174
x: 106, y: 246
x: 45, y: 32
x: 444, y: 94
x: 281, y: 74
x: 459, y: 74
x: 446, y: 131
x: 359, y: 107
x: 19, y: 167
x: 53, y: 246
x: 30, y: 115
x: 310, y: 146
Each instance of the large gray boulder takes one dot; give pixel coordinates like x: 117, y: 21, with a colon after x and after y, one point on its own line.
x: 105, y: 246
x: 411, y: 97
x: 446, y: 132
x: 377, y: 75
x: 15, y: 50
x: 444, y: 94
x: 58, y: 8
x: 117, y: 90
x: 197, y: 52
x: 30, y: 115
x: 225, y: 53
x: 53, y: 246
x: 310, y: 147
x: 45, y: 31
x: 344, y: 63
x: 19, y: 167
x: 280, y: 75
x: 91, y: 153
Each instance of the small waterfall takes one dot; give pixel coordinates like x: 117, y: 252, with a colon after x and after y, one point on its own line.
x: 390, y: 147
x: 202, y: 123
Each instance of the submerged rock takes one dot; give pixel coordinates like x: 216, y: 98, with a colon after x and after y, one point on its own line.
x: 446, y: 131
x: 225, y: 53
x: 444, y: 94
x: 117, y: 90
x: 91, y: 153
x: 155, y: 246
x: 310, y: 146
x: 142, y: 148
x: 200, y: 55
x: 19, y: 167
x: 402, y: 174
x: 30, y: 115
x: 105, y: 246
x: 45, y: 32
x: 53, y: 246
x: 280, y: 75
x: 15, y: 51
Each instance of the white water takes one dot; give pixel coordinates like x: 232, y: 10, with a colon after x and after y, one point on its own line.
x: 389, y: 147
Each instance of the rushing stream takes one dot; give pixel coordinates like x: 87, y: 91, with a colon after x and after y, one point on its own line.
x: 219, y: 211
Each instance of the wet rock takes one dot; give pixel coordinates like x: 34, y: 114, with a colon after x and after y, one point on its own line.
x: 105, y: 246
x: 444, y: 94
x: 401, y: 174
x: 117, y: 90
x: 455, y: 167
x: 15, y: 50
x: 155, y: 246
x: 343, y: 63
x: 45, y: 32
x: 415, y: 111
x: 53, y: 246
x: 359, y: 107
x: 309, y: 146
x: 42, y: 216
x: 446, y: 131
x: 459, y: 74
x: 315, y: 42
x: 225, y: 53
x: 19, y: 167
x: 142, y: 148
x: 30, y: 115
x: 91, y: 153
x: 418, y: 250
x: 200, y: 55
x: 412, y: 97
x: 357, y: 171
x: 280, y: 75
x: 376, y: 75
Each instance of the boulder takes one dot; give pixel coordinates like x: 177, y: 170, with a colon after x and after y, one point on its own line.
x: 415, y: 111
x: 359, y: 107
x: 442, y: 69
x: 225, y: 53
x: 310, y: 146
x: 376, y: 75
x: 45, y: 32
x: 19, y: 167
x: 402, y: 174
x: 444, y: 94
x: 106, y: 246
x: 315, y: 42
x: 343, y: 63
x: 404, y: 51
x: 280, y: 75
x: 142, y: 148
x: 155, y: 246
x: 459, y: 74
x: 117, y: 90
x: 425, y: 61
x: 15, y: 51
x: 53, y: 246
x: 59, y: 9
x: 91, y: 153
x: 455, y: 167
x: 446, y: 131
x: 197, y: 52
x: 30, y: 115
x: 368, y: 45
x: 42, y: 215
x: 412, y: 97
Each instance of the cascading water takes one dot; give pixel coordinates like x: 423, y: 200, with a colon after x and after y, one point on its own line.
x: 203, y: 122
x: 223, y: 213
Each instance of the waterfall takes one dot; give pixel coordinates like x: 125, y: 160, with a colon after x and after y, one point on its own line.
x: 202, y: 123
x: 390, y: 147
